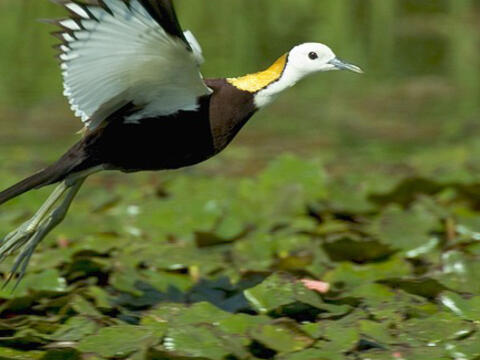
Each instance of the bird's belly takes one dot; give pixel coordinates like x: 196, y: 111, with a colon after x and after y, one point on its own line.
x: 155, y: 158
x: 154, y: 145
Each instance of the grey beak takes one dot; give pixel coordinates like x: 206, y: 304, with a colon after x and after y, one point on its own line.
x: 342, y: 65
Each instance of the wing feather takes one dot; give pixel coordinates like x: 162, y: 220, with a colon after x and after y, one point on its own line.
x: 116, y: 52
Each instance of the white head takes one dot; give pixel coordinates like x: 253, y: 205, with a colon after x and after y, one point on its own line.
x: 303, y: 60
x: 309, y: 58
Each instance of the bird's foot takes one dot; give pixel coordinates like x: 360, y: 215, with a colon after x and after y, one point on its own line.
x: 16, y: 239
x: 27, y: 237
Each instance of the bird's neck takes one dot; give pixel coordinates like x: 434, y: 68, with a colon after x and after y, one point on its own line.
x: 266, y: 85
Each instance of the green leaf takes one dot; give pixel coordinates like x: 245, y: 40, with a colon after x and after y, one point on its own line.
x: 275, y: 291
x: 466, y: 349
x: 11, y: 354
x: 62, y: 354
x: 241, y: 324
x: 437, y: 329
x: 75, y: 329
x: 283, y: 336
x: 312, y: 354
x: 405, y: 230
x: 48, y: 281
x: 84, y: 307
x: 203, y: 341
x: 460, y: 272
x: 355, y: 249
x: 468, y: 309
x: 118, y: 341
x: 347, y: 275
x: 202, y: 312
x: 281, y: 289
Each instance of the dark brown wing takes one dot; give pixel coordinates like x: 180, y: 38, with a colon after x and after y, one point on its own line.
x: 164, y: 13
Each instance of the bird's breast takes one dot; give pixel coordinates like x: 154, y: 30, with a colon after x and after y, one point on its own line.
x: 229, y: 110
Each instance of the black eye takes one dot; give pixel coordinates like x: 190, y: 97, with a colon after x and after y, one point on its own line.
x: 313, y: 55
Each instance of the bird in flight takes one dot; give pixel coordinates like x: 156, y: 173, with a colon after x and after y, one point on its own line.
x: 132, y: 75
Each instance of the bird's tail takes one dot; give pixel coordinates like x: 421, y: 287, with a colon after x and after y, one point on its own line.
x: 42, y: 178
x: 68, y: 163
x: 48, y: 176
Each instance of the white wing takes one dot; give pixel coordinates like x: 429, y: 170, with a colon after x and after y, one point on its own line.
x: 195, y: 45
x: 119, y: 54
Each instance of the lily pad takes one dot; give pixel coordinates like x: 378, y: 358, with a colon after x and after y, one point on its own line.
x: 11, y: 354
x: 76, y: 328
x: 48, y: 280
x: 466, y: 308
x: 460, y: 272
x: 347, y: 275
x: 281, y: 289
x: 283, y: 336
x: 352, y: 248
x: 466, y: 349
x: 118, y: 341
x: 435, y: 330
x: 405, y: 229
x: 203, y: 341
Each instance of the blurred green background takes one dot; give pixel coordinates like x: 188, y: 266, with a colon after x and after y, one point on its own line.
x: 420, y: 91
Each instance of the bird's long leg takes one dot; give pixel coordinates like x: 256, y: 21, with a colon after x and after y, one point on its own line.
x: 17, y: 238
x: 32, y: 232
x: 44, y: 227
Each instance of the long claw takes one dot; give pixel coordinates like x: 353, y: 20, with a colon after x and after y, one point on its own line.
x: 29, y: 239
x: 12, y: 244
x: 24, y: 263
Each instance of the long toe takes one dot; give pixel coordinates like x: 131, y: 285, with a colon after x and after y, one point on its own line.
x: 27, y: 240
x: 13, y: 242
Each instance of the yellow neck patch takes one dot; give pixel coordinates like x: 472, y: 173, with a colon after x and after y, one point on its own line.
x: 256, y: 82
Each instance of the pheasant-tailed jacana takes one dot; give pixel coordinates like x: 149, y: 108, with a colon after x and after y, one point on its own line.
x: 132, y: 75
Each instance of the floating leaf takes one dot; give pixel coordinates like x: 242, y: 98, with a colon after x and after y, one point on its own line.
x: 241, y: 324
x: 62, y: 354
x: 48, y: 280
x: 466, y: 349
x: 460, y: 272
x: 84, y: 307
x: 351, y: 248
x: 75, y: 329
x: 312, y: 354
x: 466, y: 308
x: 279, y: 290
x: 283, y: 336
x: 347, y: 275
x: 11, y: 354
x: 405, y: 229
x: 426, y: 287
x: 203, y: 341
x: 118, y: 341
x: 437, y: 329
